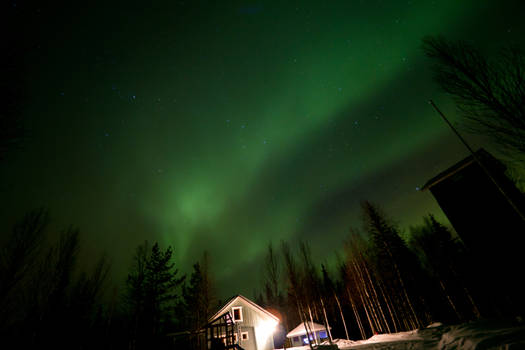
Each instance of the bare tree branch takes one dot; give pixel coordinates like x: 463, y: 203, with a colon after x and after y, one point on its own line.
x: 490, y: 95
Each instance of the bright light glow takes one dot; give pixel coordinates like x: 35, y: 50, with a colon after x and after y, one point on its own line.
x: 267, y: 327
x: 264, y: 333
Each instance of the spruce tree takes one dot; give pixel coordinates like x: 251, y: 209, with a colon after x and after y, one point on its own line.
x: 191, y: 299
x: 443, y: 256
x: 152, y: 287
x: 397, y: 266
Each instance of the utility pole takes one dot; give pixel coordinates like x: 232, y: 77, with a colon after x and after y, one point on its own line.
x: 480, y: 163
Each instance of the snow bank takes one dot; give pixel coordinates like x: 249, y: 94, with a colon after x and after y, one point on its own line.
x: 479, y: 335
x: 483, y: 335
x: 410, y: 335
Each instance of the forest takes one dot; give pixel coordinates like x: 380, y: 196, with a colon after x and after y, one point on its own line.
x: 383, y: 283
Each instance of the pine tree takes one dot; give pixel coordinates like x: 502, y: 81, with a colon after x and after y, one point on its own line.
x: 397, y: 266
x: 194, y: 317
x: 152, y: 287
x: 208, y: 292
x: 442, y: 255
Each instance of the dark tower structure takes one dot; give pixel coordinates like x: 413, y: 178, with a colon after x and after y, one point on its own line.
x: 484, y: 218
x: 475, y: 206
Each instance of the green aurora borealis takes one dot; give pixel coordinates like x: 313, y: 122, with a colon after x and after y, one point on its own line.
x: 228, y: 125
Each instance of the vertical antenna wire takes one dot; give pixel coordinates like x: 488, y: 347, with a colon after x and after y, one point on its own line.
x: 476, y: 158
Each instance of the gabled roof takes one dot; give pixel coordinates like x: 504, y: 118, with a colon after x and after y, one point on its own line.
x: 246, y: 300
x: 300, y: 329
x: 485, y: 157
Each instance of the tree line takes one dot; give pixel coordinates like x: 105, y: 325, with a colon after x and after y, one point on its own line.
x: 48, y: 299
x: 383, y: 283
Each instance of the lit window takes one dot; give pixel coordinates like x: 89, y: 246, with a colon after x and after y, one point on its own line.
x: 237, y: 314
x: 244, y: 335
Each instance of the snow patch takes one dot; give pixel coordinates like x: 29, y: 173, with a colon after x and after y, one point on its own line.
x: 478, y: 335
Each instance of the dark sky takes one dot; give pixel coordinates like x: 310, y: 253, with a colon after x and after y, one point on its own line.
x: 225, y: 125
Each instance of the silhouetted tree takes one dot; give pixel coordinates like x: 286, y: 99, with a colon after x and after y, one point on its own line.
x: 208, y: 291
x: 272, y: 275
x: 362, y: 284
x: 273, y: 297
x: 198, y: 297
x: 489, y: 94
x: 517, y: 175
x: 55, y: 284
x: 396, y: 265
x: 296, y: 290
x: 193, y: 314
x: 45, y: 299
x: 19, y: 257
x: 152, y: 288
x: 86, y: 317
x: 315, y: 300
x: 331, y: 292
x: 348, y: 295
x: 443, y: 256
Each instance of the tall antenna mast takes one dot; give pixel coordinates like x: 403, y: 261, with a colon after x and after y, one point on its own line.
x: 476, y: 158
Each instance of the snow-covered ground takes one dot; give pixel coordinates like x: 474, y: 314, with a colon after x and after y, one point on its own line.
x: 478, y: 335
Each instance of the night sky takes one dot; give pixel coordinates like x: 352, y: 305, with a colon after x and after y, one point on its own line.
x: 225, y: 125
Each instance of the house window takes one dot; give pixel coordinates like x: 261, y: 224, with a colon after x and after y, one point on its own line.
x: 237, y: 314
x: 224, y: 338
x: 244, y: 335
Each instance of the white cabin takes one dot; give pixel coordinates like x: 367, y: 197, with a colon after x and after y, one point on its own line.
x: 253, y: 326
x: 298, y: 335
